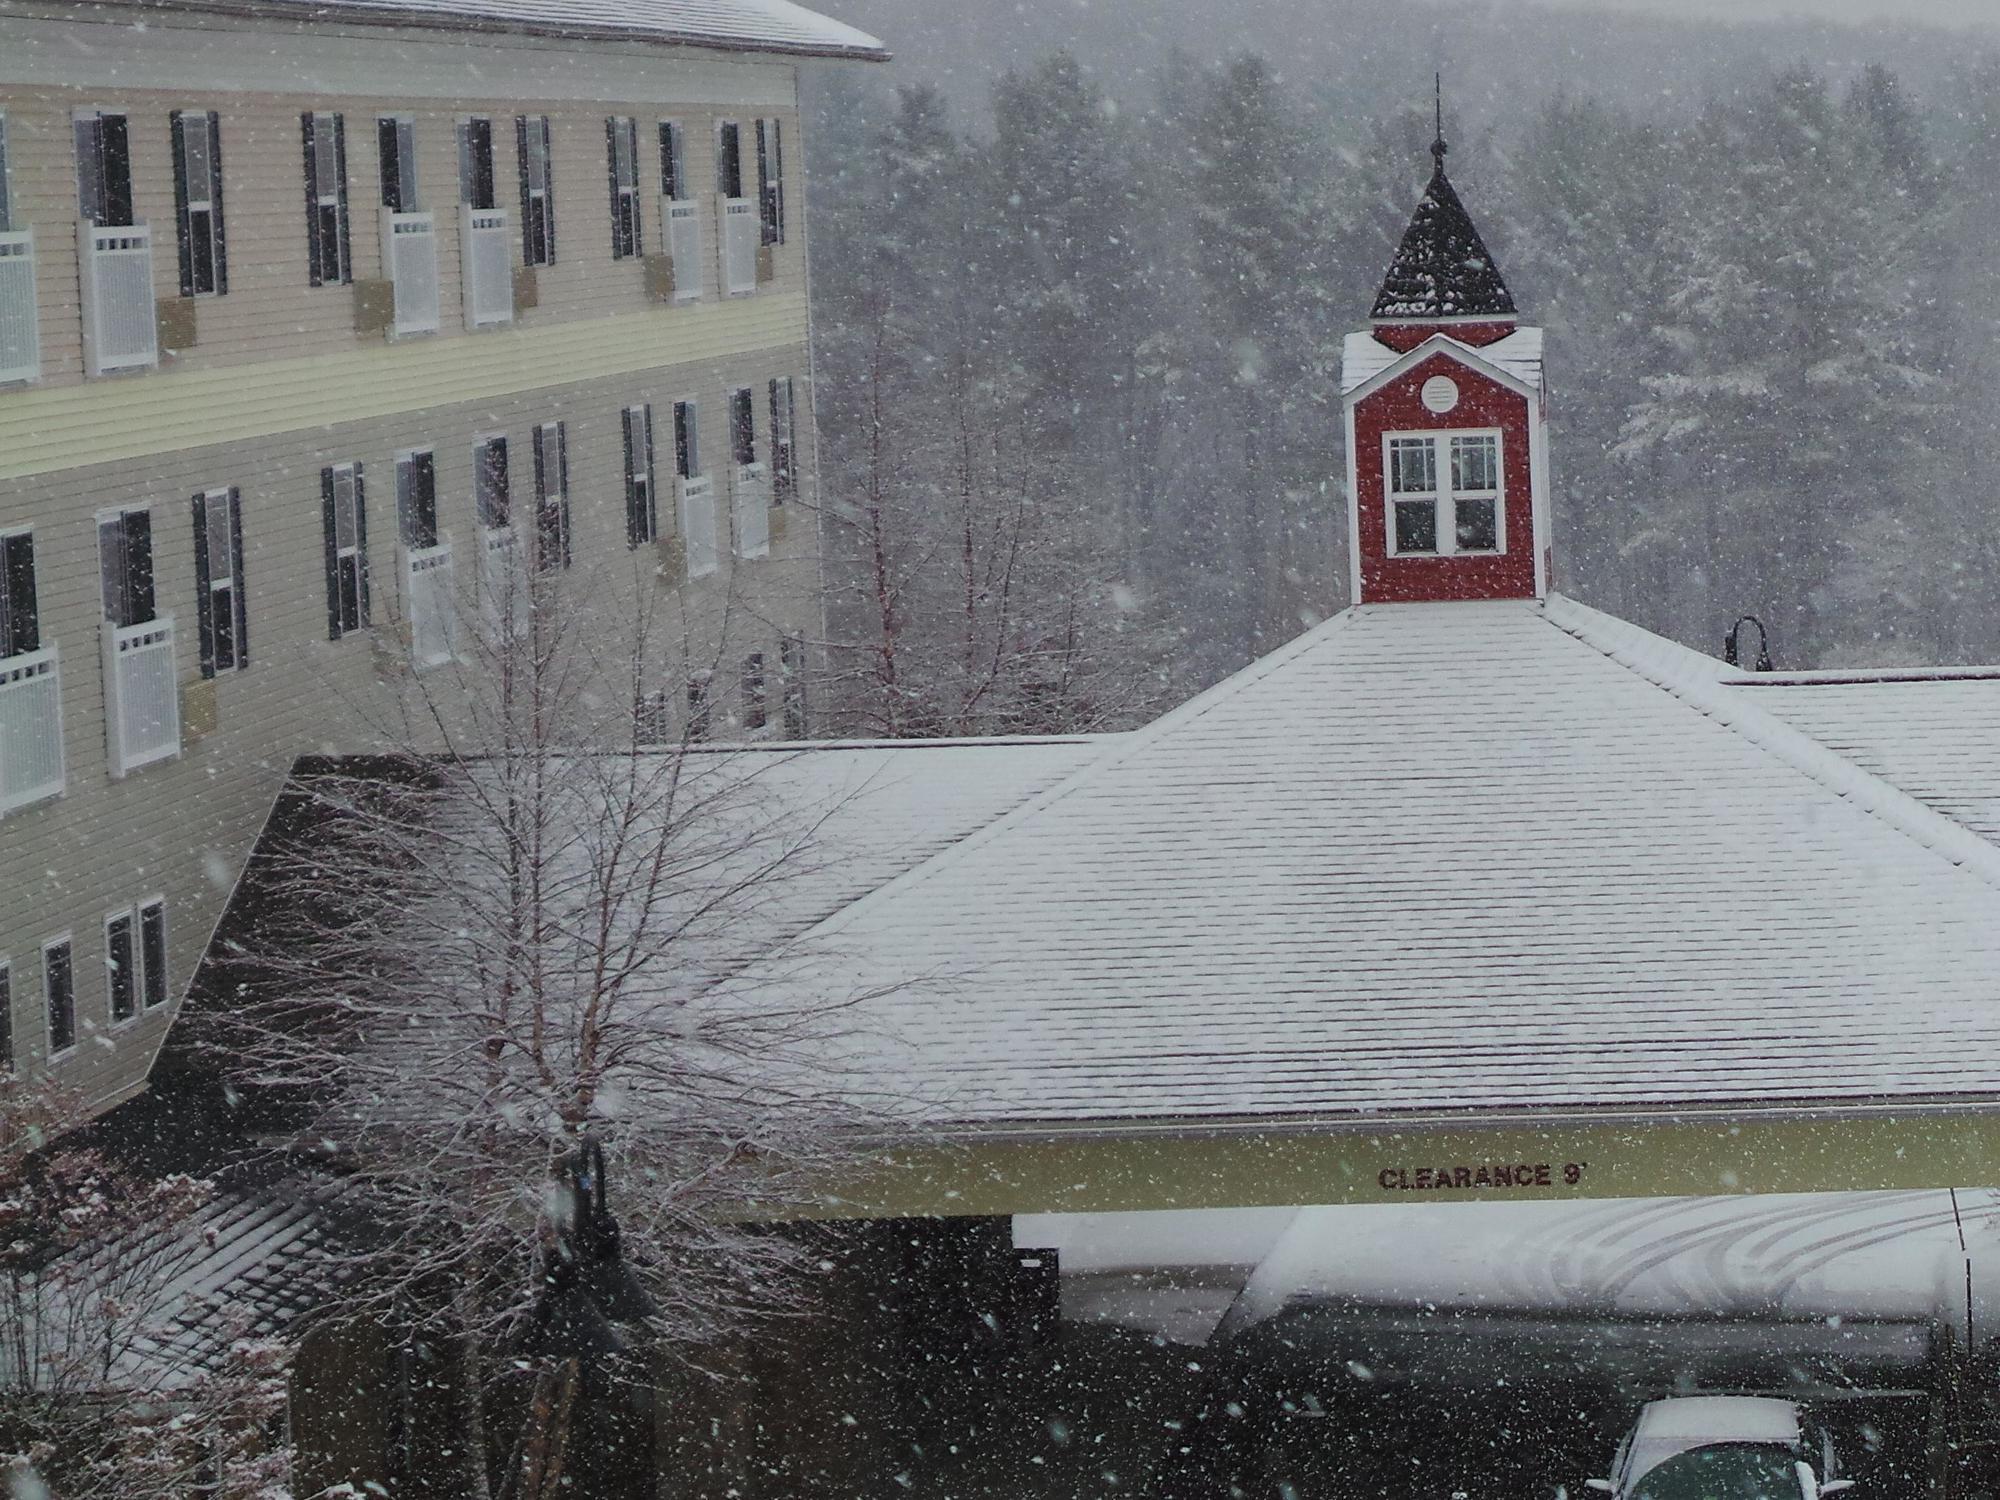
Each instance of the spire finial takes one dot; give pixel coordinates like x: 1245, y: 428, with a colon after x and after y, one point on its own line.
x: 1438, y: 147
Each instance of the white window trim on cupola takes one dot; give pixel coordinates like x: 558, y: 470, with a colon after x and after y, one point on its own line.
x: 1444, y: 495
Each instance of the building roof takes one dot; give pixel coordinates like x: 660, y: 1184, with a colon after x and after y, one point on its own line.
x: 1365, y: 358
x: 730, y: 25
x: 1442, y: 268
x: 1508, y: 856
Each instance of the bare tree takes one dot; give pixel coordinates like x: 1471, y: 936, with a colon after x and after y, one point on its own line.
x: 108, y: 1390
x: 506, y: 932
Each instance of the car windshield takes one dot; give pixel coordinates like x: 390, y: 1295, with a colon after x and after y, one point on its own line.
x: 1724, y: 1471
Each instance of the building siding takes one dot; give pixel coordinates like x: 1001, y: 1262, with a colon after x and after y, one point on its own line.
x: 279, y: 384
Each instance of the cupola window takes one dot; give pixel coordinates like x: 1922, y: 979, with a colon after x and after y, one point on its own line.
x: 1444, y: 493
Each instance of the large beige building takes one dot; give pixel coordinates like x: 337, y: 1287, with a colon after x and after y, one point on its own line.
x: 315, y: 319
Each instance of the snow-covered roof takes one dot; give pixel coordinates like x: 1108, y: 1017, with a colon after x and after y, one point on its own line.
x: 1505, y: 855
x: 1934, y: 734
x: 1442, y: 268
x: 1519, y: 354
x: 732, y: 25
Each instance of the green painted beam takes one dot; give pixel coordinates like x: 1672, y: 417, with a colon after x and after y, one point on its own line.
x: 1200, y: 1167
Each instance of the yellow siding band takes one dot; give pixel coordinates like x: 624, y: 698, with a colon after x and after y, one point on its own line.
x: 45, y: 429
x: 1577, y: 1160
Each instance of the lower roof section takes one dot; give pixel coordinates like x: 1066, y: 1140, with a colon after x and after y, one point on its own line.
x: 47, y: 429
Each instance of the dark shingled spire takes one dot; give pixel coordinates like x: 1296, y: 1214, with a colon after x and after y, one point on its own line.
x: 1442, y: 268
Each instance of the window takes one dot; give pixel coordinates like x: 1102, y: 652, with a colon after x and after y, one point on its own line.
x: 328, y: 255
x: 700, y: 719
x: 641, y: 513
x: 1444, y: 494
x: 103, y: 167
x: 153, y: 951
x: 6, y: 1017
x: 784, y: 443
x: 1475, y: 492
x: 344, y: 520
x: 621, y: 145
x: 20, y: 617
x: 125, y: 566
x: 476, y: 187
x: 59, y: 991
x: 551, y: 496
x: 416, y: 500
x: 218, y: 576
x: 198, y: 202
x: 742, y: 427
x: 687, y: 440
x: 538, y: 204
x: 729, y: 159
x: 489, y: 481
x: 792, y: 681
x: 756, y: 692
x: 121, y: 967
x: 396, y: 144
x: 673, y: 162
x: 771, y: 182
x: 6, y: 196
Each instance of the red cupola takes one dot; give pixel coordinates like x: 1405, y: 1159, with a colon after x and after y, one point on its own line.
x: 1447, y: 462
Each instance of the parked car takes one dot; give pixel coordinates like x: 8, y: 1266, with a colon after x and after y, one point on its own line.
x: 1724, y: 1448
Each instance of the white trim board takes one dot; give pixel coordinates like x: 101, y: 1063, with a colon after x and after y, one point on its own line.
x: 176, y: 54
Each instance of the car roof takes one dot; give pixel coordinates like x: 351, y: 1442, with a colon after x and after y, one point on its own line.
x: 1720, y: 1419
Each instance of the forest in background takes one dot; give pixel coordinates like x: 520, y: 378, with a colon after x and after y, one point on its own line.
x: 1077, y: 348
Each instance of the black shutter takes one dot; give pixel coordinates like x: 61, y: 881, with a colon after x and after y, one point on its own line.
x: 361, y: 540
x: 548, y: 191
x: 183, y: 229
x: 392, y: 165
x: 345, y: 270
x: 766, y: 220
x: 215, y: 201
x: 521, y: 156
x: 315, y: 269
x: 239, y: 591
x: 116, y: 164
x: 21, y: 631
x: 633, y: 535
x: 778, y: 180
x: 204, y: 597
x: 331, y: 528
x: 619, y: 248
x: 670, y: 186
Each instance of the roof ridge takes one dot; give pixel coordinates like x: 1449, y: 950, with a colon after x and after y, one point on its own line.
x: 1711, y: 695
x: 1133, y: 741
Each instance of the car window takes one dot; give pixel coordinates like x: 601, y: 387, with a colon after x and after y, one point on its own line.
x: 1724, y: 1471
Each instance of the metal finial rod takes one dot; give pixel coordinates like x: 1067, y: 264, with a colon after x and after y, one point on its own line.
x: 1438, y: 147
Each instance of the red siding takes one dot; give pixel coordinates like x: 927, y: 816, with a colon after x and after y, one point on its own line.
x: 1403, y: 337
x: 1399, y: 407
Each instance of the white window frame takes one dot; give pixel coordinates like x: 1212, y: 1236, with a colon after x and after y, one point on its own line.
x: 330, y: 192
x: 409, y: 185
x: 642, y: 498
x: 117, y: 514
x: 355, y: 553
x: 1444, y: 496
x: 551, y: 462
x: 406, y: 472
x: 467, y: 163
x: 629, y: 215
x: 229, y: 586
x: 535, y: 133
x: 64, y: 940
x: 130, y: 917
x: 481, y: 442
x: 674, y: 149
x: 96, y: 112
x: 157, y: 900
x: 694, y: 469
x: 201, y: 200
x: 6, y: 180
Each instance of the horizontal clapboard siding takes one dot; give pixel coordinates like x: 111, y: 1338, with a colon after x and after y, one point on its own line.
x: 43, y: 430
x: 271, y: 314
x: 183, y: 826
